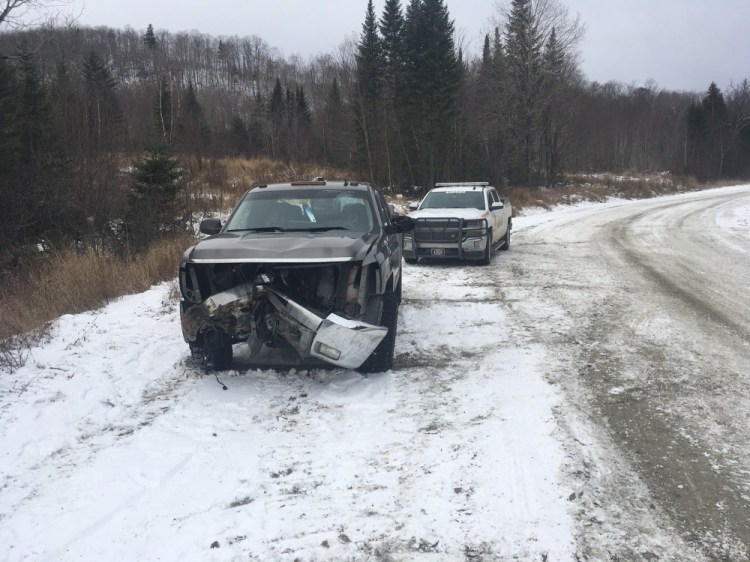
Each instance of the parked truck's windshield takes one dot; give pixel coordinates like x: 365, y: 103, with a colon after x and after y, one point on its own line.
x: 453, y: 200
x: 314, y: 209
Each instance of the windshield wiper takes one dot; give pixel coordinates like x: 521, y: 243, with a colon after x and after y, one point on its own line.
x: 318, y: 229
x: 260, y: 229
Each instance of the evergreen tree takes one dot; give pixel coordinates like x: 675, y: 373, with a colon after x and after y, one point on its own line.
x: 717, y: 120
x: 431, y: 87
x: 486, y: 54
x: 523, y: 46
x: 392, y: 30
x: 149, y: 39
x: 335, y: 128
x: 301, y: 120
x: 239, y: 137
x: 369, y: 59
x: 193, y: 134
x: 10, y: 148
x: 553, y: 70
x: 277, y: 118
x: 153, y: 197
x: 697, y: 135
x: 34, y: 176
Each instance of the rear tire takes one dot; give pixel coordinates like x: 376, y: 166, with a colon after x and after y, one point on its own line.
x: 506, y: 243
x: 382, y: 358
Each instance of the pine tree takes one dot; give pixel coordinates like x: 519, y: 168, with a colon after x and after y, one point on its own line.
x: 553, y: 70
x: 239, y: 137
x: 369, y: 59
x: 34, y: 176
x: 523, y: 46
x: 278, y: 121
x: 715, y: 110
x: 432, y: 85
x: 193, y: 135
x: 153, y: 196
x: 335, y: 127
x: 149, y: 39
x: 486, y: 53
x: 392, y: 30
x: 10, y: 148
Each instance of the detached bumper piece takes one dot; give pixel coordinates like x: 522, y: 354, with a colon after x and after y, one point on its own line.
x: 337, y: 340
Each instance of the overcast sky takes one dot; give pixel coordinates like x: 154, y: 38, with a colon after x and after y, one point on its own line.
x: 680, y: 44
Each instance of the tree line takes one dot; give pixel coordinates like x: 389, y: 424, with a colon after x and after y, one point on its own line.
x: 401, y: 103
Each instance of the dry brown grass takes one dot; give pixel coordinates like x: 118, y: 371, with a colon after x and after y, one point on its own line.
x: 219, y: 183
x: 68, y: 282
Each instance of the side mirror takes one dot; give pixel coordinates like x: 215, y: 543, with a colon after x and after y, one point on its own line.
x: 210, y: 226
x: 497, y: 206
x: 403, y: 224
x: 414, y: 205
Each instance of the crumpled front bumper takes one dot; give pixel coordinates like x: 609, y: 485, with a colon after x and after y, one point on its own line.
x: 337, y: 340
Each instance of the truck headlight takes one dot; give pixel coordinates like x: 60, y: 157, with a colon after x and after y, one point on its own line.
x: 408, y: 243
x: 475, y: 229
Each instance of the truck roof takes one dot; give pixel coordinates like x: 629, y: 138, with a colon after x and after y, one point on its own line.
x: 352, y: 185
x: 477, y: 186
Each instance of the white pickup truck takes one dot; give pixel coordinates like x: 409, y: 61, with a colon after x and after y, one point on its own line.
x: 465, y: 221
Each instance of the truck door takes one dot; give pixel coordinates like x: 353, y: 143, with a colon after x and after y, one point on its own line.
x: 497, y: 216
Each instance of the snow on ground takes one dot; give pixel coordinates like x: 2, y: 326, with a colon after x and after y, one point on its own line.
x: 114, y: 445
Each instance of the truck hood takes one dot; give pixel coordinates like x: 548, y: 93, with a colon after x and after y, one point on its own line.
x: 293, y: 247
x: 466, y: 214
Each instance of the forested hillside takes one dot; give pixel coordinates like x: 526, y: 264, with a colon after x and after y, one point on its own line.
x: 400, y: 104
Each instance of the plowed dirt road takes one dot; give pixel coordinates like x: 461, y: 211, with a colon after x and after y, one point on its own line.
x: 654, y: 305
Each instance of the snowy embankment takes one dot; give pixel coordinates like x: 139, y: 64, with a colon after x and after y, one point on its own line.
x: 114, y: 445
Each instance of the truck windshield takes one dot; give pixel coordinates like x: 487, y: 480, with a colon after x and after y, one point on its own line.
x: 315, y: 209
x: 453, y: 200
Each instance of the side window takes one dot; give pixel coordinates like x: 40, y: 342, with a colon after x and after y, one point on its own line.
x: 383, y: 211
x: 488, y: 196
x: 495, y: 196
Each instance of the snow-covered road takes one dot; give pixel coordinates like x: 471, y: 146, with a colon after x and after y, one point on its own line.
x: 567, y: 402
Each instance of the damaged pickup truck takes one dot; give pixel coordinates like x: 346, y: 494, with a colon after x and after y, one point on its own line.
x: 312, y: 266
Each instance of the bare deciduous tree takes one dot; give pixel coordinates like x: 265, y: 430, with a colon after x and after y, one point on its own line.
x: 19, y: 13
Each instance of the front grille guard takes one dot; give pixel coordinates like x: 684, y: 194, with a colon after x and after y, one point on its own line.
x: 444, y: 231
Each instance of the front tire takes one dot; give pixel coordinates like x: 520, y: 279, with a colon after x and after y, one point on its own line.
x: 217, y: 351
x: 487, y: 250
x: 382, y: 358
x: 410, y: 261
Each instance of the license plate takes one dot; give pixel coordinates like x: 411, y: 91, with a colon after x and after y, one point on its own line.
x: 438, y: 252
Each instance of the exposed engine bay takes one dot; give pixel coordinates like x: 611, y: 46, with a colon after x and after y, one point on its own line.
x: 324, y: 311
